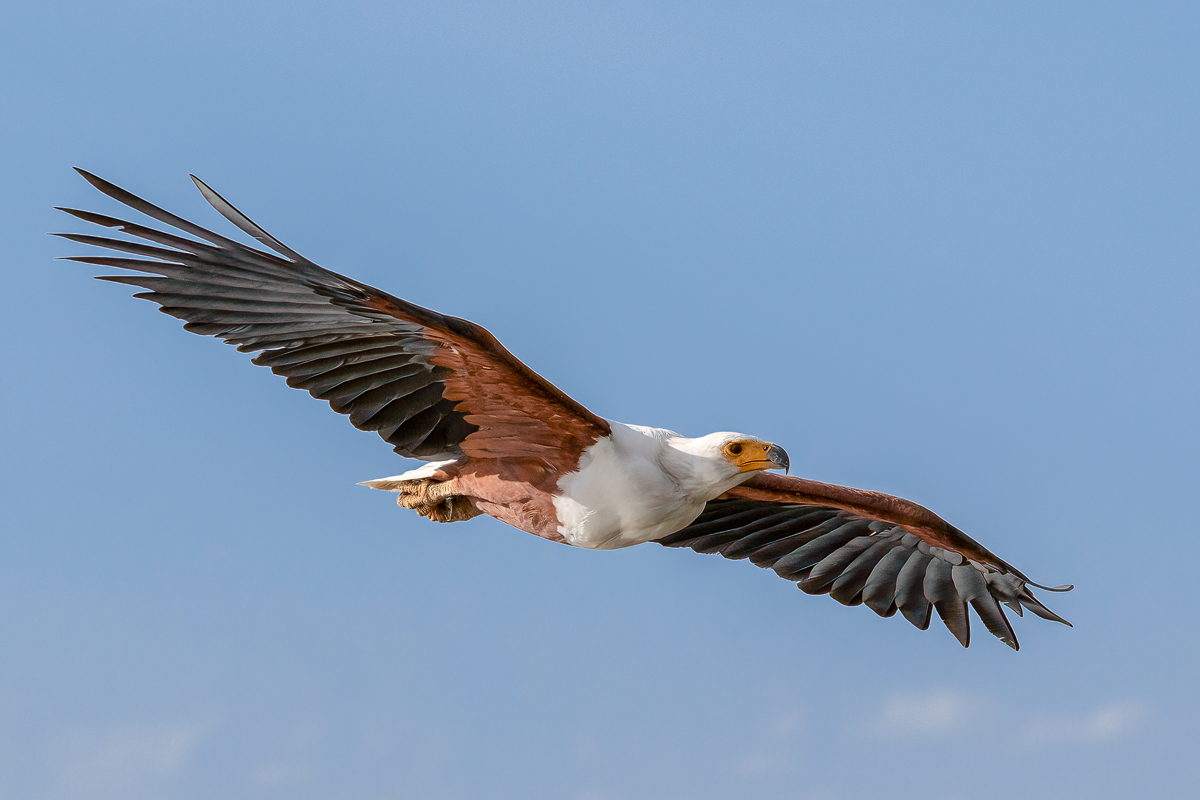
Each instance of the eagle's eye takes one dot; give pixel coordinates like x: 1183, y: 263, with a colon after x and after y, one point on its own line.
x: 734, y: 449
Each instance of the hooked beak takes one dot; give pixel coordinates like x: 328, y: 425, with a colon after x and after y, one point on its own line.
x: 779, y: 457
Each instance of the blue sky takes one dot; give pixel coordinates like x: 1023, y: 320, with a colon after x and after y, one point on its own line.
x: 949, y: 253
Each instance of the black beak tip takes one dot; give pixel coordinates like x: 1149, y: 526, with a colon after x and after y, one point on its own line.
x: 779, y: 458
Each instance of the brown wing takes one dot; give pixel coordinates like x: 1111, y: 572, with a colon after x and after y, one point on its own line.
x: 864, y: 547
x: 434, y: 387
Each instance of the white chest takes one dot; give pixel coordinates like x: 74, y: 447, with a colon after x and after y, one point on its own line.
x: 629, y: 489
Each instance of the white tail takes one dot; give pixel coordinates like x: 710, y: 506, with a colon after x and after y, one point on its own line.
x: 395, y: 483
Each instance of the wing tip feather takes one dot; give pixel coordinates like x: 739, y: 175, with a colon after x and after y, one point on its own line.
x: 104, y: 186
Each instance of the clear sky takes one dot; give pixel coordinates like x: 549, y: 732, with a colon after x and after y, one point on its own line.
x: 947, y: 252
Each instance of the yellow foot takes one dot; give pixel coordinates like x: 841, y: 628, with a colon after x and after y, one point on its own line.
x: 433, y: 499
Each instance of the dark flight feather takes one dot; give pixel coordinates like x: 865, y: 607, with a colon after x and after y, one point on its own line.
x: 427, y: 383
x: 859, y: 558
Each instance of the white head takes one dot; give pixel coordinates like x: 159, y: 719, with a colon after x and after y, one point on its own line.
x: 725, y: 459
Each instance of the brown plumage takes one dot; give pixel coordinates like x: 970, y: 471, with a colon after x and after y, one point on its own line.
x: 432, y: 385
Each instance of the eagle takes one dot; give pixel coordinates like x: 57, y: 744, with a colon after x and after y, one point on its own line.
x: 501, y: 440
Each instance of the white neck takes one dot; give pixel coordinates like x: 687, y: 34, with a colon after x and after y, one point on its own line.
x: 694, y: 463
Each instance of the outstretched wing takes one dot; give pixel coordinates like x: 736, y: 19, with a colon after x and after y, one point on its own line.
x: 434, y: 387
x: 864, y: 547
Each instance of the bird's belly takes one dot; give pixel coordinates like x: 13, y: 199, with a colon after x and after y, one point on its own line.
x: 617, y: 502
x: 613, y: 527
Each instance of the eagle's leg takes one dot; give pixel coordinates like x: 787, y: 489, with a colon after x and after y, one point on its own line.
x: 436, y: 500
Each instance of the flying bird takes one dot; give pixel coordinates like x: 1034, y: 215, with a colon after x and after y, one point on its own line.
x: 501, y: 440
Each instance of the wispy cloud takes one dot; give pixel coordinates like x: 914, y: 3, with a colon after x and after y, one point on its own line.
x: 1106, y: 723
x: 942, y: 712
x: 282, y: 774
x: 932, y: 712
x: 766, y: 763
x: 294, y: 766
x: 127, y: 759
x: 776, y: 753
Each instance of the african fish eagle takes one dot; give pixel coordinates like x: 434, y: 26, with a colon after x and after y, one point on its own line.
x: 501, y: 440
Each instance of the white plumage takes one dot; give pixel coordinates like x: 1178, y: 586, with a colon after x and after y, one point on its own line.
x: 640, y: 484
